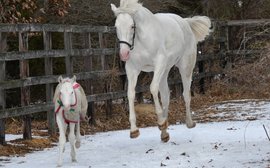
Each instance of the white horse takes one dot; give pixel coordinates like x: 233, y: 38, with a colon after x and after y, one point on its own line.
x: 157, y: 42
x: 70, y: 106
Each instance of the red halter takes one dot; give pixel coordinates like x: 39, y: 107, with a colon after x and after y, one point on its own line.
x: 75, y: 86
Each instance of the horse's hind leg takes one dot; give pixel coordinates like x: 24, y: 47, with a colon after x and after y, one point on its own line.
x: 186, y: 67
x: 165, y: 100
x: 71, y: 138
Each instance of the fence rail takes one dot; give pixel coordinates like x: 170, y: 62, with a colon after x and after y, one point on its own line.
x: 91, y: 35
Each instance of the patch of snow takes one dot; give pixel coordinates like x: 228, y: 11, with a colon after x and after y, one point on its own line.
x: 224, y: 144
x: 243, y: 110
x: 228, y: 144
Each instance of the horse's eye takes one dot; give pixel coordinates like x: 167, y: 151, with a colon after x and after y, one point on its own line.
x: 132, y: 27
x: 71, y: 92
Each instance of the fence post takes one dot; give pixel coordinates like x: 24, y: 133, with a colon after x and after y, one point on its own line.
x: 88, y: 63
x: 201, y: 70
x: 178, y: 86
x: 47, y: 42
x: 225, y: 46
x: 104, y: 66
x: 139, y: 95
x: 3, y: 47
x: 68, y: 47
x: 25, y: 91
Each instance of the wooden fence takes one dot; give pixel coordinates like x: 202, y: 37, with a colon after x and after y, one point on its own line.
x: 94, y: 48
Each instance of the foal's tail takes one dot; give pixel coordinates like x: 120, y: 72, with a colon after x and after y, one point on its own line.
x: 200, y: 26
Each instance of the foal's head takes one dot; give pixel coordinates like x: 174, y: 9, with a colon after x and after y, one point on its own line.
x: 67, y: 93
x: 125, y: 28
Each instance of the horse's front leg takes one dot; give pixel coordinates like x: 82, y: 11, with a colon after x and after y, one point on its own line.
x: 165, y: 100
x: 72, y: 140
x: 154, y: 88
x: 132, y: 75
x: 62, y: 137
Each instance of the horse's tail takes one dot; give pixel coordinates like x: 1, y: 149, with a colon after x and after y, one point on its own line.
x: 200, y: 26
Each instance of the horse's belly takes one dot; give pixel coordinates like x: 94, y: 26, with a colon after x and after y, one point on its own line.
x: 148, y: 68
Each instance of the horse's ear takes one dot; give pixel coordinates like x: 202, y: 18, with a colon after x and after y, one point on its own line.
x: 60, y: 79
x: 114, y: 8
x: 73, y: 79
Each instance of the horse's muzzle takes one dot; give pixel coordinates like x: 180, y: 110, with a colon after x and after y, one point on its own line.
x: 124, y: 55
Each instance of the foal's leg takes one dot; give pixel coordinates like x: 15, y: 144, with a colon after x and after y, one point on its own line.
x: 62, y: 137
x: 165, y: 100
x: 78, y: 136
x: 132, y: 75
x: 71, y: 138
x: 186, y: 67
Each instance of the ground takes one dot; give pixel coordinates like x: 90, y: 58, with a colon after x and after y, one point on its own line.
x: 231, y: 135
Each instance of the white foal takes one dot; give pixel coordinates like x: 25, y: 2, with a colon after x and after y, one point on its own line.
x: 157, y: 42
x: 70, y: 106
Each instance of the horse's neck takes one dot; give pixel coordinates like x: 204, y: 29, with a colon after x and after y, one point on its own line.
x: 144, y: 19
x: 147, y: 29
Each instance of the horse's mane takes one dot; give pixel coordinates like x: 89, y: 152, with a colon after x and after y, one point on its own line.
x: 128, y: 6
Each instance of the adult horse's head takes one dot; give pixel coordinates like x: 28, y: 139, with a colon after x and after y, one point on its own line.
x: 125, y: 29
x: 67, y: 93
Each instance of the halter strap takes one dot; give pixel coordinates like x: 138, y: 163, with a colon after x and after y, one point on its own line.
x: 75, y: 86
x: 131, y: 46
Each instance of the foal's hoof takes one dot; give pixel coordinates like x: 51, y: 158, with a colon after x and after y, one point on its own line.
x: 165, y: 136
x: 134, y: 134
x: 164, y: 125
x: 191, y: 124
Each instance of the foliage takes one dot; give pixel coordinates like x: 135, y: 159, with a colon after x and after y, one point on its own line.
x: 58, y: 7
x: 236, y: 9
x: 15, y: 11
x: 31, y: 11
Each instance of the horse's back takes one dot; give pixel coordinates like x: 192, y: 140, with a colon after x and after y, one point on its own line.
x: 179, y: 37
x: 175, y: 23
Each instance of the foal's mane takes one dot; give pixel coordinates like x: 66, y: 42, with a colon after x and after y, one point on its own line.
x: 128, y: 6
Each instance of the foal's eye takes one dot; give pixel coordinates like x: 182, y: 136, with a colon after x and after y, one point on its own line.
x: 132, y: 27
x: 71, y: 92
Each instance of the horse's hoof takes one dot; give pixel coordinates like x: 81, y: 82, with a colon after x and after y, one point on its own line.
x: 164, y: 125
x: 165, y: 137
x: 59, y: 164
x: 74, y: 160
x: 191, y: 124
x: 77, y: 144
x: 134, y: 134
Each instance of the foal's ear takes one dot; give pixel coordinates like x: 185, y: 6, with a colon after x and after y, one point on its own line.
x: 60, y: 79
x: 114, y: 8
x: 73, y: 79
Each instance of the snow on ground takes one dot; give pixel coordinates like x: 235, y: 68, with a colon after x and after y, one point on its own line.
x: 227, y: 144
